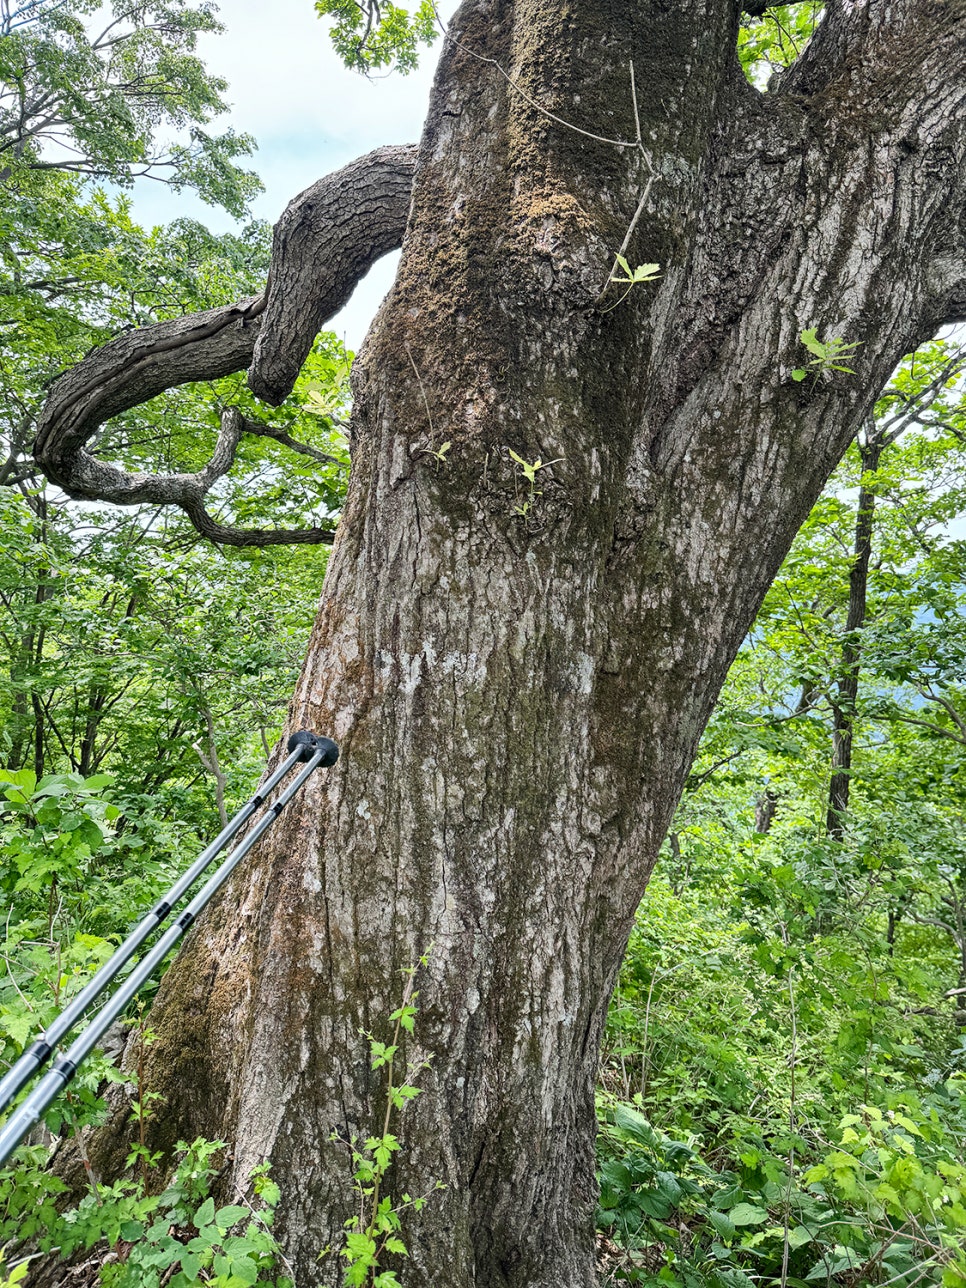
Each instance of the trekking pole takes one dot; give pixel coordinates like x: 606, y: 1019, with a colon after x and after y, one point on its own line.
x: 303, y: 746
x: 37, y: 1055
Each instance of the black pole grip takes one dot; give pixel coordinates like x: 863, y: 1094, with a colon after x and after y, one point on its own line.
x: 312, y: 744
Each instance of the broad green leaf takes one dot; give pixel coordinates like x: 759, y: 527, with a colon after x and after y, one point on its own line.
x: 205, y: 1214
x: 190, y: 1264
x: 226, y: 1217
x: 722, y: 1224
x: 812, y: 343
x: 747, y: 1214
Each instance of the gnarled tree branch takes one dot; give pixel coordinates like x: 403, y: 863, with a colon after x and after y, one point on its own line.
x: 128, y: 371
x: 328, y: 238
x: 325, y: 241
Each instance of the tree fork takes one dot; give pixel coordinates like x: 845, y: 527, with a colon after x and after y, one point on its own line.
x: 518, y: 681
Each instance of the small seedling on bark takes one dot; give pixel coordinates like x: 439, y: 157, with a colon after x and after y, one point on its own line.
x: 826, y: 355
x: 438, y: 454
x: 529, y: 471
x: 631, y: 277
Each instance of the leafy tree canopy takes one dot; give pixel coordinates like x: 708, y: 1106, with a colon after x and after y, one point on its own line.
x: 372, y: 35
x: 92, y: 93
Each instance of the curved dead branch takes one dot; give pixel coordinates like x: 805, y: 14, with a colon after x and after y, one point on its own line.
x: 326, y: 240
x: 131, y: 370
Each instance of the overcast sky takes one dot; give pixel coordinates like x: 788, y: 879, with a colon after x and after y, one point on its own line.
x: 309, y: 116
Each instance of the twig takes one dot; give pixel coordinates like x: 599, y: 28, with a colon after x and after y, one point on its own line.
x: 422, y: 390
x: 212, y: 764
x: 82, y: 1150
x: 276, y: 1251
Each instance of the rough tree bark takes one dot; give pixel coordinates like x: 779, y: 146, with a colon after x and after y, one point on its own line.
x: 518, y: 695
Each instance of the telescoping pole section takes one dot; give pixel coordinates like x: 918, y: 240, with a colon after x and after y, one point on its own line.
x: 304, y: 747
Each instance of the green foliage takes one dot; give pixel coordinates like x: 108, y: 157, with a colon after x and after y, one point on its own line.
x: 141, y: 1239
x: 138, y: 1234
x: 68, y: 892
x: 783, y: 1094
x: 528, y: 471
x: 134, y: 658
x: 119, y: 630
x: 826, y: 356
x: 75, y: 269
x: 16, y: 1274
x: 84, y: 91
x: 885, y: 1204
x: 126, y: 647
x: 901, y: 1174
x: 374, y: 1231
x: 378, y: 33
x: 59, y: 827
x: 631, y: 277
x: 438, y: 454
x: 788, y: 1039
x: 770, y: 43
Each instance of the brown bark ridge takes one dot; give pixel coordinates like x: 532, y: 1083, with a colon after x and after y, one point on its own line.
x: 328, y: 237
x: 518, y: 678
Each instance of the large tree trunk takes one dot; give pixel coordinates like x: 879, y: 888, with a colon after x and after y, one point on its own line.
x: 518, y: 695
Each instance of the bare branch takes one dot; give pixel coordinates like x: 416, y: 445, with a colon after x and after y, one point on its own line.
x: 913, y: 407
x: 948, y: 707
x: 212, y: 763
x: 933, y: 921
x: 928, y: 724
x: 282, y: 436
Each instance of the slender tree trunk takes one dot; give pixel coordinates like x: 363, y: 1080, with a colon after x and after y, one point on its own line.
x: 847, y: 687
x: 896, y: 913
x: 38, y: 639
x: 765, y: 807
x: 211, y: 761
x: 19, y: 719
x: 518, y: 696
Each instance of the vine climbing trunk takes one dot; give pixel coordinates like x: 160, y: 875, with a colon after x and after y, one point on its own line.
x: 518, y: 669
